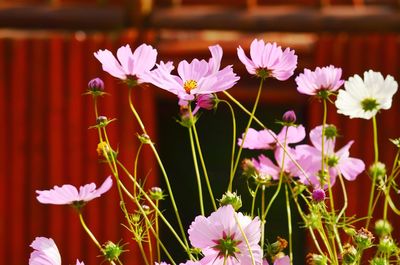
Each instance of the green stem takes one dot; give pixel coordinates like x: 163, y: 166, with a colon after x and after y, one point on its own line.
x: 374, y: 176
x: 90, y: 233
x: 245, y: 134
x: 203, y: 165
x: 196, y: 169
x: 281, y: 173
x: 262, y: 217
x: 233, y: 134
x: 148, y: 199
x: 254, y: 200
x: 245, y: 239
x: 271, y: 134
x: 157, y: 232
x: 164, y: 173
x: 289, y: 215
x: 389, y: 185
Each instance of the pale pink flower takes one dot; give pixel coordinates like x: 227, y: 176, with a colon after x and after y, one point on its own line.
x: 189, y: 262
x: 321, y: 81
x: 219, y: 237
x: 267, y: 139
x: 285, y: 260
x: 129, y: 65
x: 268, y: 60
x: 336, y: 162
x: 68, y: 194
x: 198, y: 77
x: 45, y: 252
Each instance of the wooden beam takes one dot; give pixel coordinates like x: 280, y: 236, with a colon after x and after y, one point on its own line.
x: 71, y: 17
x: 279, y: 18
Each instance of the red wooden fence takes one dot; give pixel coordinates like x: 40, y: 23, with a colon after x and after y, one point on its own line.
x: 45, y: 141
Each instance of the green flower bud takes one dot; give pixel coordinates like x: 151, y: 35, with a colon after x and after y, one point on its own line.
x: 112, y: 251
x: 156, y: 194
x: 248, y: 168
x: 231, y: 198
x: 378, y: 170
x: 387, y: 245
x: 363, y: 238
x: 144, y: 138
x: 396, y: 142
x: 349, y: 254
x: 383, y: 228
x: 277, y: 247
x: 316, y: 259
x: 330, y: 132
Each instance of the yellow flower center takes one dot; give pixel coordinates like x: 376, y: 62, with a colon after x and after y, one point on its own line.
x: 189, y: 85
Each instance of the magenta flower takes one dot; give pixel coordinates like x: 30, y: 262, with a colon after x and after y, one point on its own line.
x: 268, y: 60
x: 198, y: 77
x: 219, y: 236
x: 321, y: 81
x: 336, y: 162
x: 68, y: 194
x: 267, y: 139
x: 129, y: 66
x: 46, y: 253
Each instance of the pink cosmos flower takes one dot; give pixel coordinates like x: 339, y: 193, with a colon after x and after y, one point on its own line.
x: 189, y: 262
x: 129, y: 65
x: 267, y: 139
x: 321, y: 81
x: 46, y: 252
x: 219, y: 237
x: 336, y: 162
x: 285, y: 260
x: 265, y: 166
x: 268, y: 60
x: 198, y: 77
x: 68, y: 194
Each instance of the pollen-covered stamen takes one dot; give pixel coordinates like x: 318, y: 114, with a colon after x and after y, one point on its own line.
x: 227, y: 245
x: 189, y: 85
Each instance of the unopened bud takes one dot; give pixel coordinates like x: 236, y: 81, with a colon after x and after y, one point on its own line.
x: 387, y: 245
x: 277, y: 247
x: 318, y: 195
x: 363, y: 238
x: 146, y: 209
x: 379, y: 261
x: 207, y: 101
x: 231, y: 198
x: 101, y: 120
x: 289, y: 117
x: 112, y: 251
x: 316, y: 259
x: 330, y: 131
x: 349, y: 254
x: 156, y: 194
x: 96, y: 87
x: 249, y: 170
x: 377, y: 170
x: 383, y: 228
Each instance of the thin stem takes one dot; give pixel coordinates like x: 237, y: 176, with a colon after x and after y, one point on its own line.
x: 233, y: 134
x: 203, y: 165
x: 262, y: 217
x: 374, y: 176
x: 270, y: 133
x: 390, y: 181
x: 254, y: 200
x: 90, y: 232
x: 289, y: 224
x: 196, y: 169
x: 245, y: 134
x: 157, y: 232
x: 149, y: 244
x: 245, y: 239
x: 164, y: 173
x: 160, y: 214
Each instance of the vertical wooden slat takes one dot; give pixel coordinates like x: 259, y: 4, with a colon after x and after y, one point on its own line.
x: 4, y: 168
x: 56, y: 138
x: 18, y: 136
x: 74, y: 136
x: 38, y: 106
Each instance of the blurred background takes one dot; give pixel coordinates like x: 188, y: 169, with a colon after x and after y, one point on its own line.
x: 46, y: 60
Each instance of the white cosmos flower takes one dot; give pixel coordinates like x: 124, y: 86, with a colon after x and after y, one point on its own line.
x: 364, y: 98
